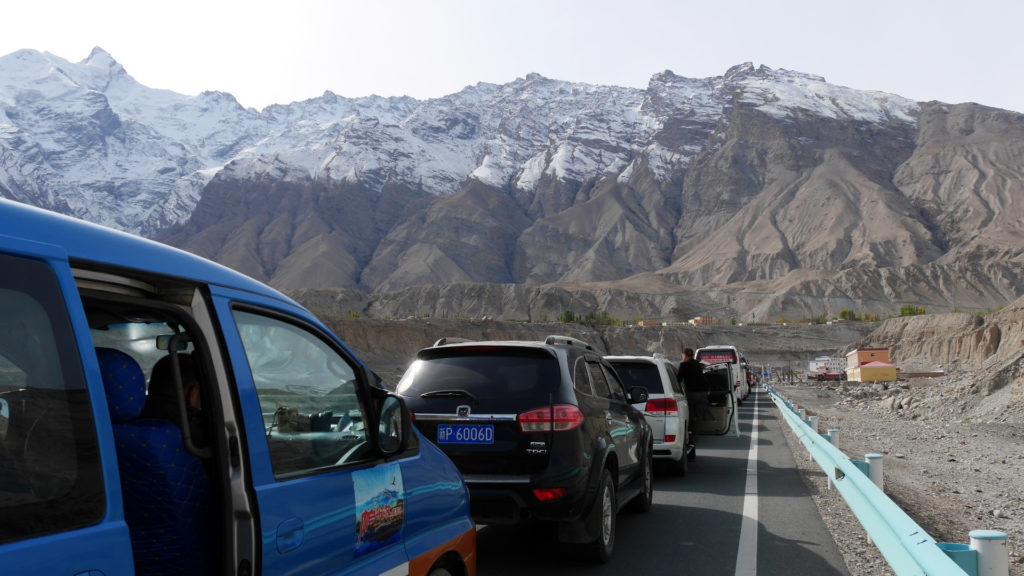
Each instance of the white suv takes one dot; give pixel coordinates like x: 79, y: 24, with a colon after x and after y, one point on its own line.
x: 666, y: 409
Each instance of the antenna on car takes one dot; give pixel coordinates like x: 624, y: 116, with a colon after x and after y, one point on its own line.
x: 567, y: 341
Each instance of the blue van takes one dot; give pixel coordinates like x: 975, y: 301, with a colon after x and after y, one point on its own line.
x: 162, y: 414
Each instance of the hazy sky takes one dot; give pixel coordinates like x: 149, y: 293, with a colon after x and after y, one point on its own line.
x: 278, y: 52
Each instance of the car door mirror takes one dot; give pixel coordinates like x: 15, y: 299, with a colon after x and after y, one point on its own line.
x: 638, y: 395
x: 393, y: 430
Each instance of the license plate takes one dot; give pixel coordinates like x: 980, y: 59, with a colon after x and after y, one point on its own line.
x: 465, y: 434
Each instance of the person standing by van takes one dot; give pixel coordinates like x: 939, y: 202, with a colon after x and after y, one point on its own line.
x: 691, y: 372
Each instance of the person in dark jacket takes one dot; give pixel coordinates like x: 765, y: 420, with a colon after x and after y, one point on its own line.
x: 691, y: 372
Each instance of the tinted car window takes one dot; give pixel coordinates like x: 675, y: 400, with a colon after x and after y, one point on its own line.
x: 307, y: 394
x: 643, y: 374
x: 50, y: 479
x: 618, y: 390
x: 597, y: 378
x: 579, y: 378
x: 512, y: 376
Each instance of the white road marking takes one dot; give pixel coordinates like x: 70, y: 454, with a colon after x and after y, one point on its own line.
x: 746, y: 554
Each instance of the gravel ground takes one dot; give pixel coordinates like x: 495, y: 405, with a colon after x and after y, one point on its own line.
x: 951, y: 476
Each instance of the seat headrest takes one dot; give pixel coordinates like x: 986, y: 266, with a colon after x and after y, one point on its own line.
x: 124, y: 383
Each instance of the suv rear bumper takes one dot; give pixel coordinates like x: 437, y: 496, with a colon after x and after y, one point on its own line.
x: 511, y: 500
x: 672, y: 451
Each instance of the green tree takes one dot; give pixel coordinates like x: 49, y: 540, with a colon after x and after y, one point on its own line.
x: 911, y: 310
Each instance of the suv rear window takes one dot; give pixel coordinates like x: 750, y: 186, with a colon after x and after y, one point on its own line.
x: 642, y: 374
x: 512, y: 376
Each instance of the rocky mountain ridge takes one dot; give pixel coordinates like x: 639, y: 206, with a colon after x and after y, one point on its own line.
x: 760, y: 193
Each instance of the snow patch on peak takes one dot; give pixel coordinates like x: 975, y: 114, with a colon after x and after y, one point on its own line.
x: 100, y: 57
x: 739, y: 71
x: 781, y: 93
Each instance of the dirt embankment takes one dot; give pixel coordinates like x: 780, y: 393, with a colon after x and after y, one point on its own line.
x: 953, y: 446
x: 983, y: 357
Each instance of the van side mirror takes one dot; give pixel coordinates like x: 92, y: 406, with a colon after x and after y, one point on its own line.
x: 393, y: 429
x: 638, y: 395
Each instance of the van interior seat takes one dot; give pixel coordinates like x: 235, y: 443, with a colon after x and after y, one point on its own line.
x: 165, y: 489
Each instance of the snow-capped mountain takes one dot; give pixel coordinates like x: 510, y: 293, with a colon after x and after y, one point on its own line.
x: 87, y: 139
x: 759, y: 181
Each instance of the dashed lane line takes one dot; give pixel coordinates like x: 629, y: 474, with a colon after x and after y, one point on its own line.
x: 746, y: 554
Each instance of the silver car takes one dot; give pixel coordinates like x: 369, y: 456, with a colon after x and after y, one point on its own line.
x: 666, y: 409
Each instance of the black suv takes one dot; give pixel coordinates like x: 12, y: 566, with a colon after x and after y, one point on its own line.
x: 539, y: 430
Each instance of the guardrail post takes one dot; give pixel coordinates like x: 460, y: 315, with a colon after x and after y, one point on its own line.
x: 875, y: 469
x: 833, y: 438
x: 813, y: 422
x: 993, y: 555
x: 961, y: 554
x: 803, y: 413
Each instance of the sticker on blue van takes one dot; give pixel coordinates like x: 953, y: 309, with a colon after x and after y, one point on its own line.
x: 380, y: 506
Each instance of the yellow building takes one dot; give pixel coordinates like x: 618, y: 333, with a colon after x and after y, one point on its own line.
x: 865, y: 355
x: 872, y: 372
x: 870, y: 365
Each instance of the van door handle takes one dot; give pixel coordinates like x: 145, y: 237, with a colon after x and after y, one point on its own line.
x: 289, y: 535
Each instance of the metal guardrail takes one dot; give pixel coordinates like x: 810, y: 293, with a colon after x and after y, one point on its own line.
x: 907, y: 548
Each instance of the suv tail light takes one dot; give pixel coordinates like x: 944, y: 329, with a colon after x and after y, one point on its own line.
x: 662, y: 407
x: 548, y: 494
x: 559, y: 418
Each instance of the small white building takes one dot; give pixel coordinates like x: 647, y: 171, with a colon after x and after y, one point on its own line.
x: 827, y: 364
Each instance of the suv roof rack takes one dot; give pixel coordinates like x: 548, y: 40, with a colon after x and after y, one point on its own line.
x: 567, y: 341
x: 451, y: 340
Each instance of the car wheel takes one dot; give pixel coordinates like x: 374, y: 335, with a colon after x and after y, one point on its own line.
x: 643, y: 501
x: 440, y: 572
x: 601, y: 549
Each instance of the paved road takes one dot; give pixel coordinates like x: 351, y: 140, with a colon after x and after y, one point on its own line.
x: 741, y: 510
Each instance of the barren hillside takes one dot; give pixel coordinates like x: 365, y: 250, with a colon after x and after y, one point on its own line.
x: 982, y: 355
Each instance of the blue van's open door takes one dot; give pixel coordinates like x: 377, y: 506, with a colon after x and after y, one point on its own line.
x: 59, y: 487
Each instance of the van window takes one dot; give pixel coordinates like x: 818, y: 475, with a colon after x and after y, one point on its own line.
x: 307, y: 393
x: 50, y: 477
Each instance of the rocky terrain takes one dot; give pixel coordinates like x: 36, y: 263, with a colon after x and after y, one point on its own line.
x: 760, y: 193
x: 953, y: 445
x: 950, y: 474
